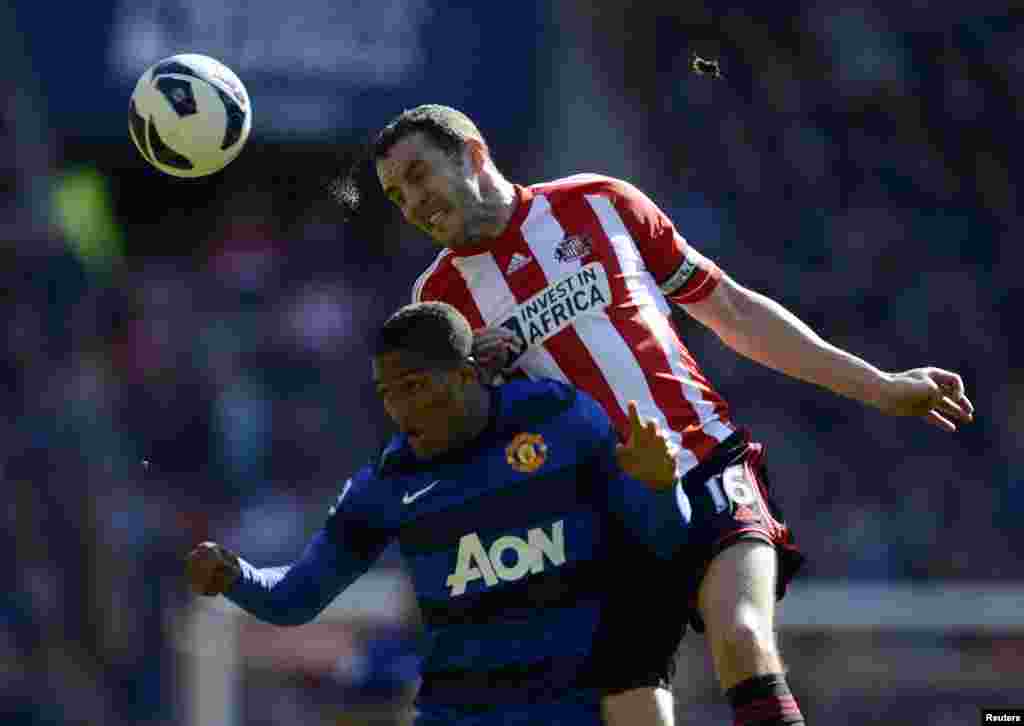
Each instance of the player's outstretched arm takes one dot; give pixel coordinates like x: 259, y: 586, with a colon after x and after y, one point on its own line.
x: 280, y: 595
x: 763, y: 330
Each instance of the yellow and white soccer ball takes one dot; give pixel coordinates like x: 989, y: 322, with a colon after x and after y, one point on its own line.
x: 189, y: 115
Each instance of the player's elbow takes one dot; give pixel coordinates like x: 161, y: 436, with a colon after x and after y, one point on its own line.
x: 736, y: 304
x: 727, y: 311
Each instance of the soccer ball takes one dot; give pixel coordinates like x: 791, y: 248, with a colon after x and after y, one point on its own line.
x: 189, y: 115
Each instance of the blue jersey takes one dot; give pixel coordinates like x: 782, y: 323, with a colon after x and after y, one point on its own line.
x: 513, y: 543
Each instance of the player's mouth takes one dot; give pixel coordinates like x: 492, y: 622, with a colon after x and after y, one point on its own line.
x: 436, y: 214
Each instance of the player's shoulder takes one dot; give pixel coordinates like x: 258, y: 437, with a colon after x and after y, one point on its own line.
x: 431, y: 282
x: 393, y: 459
x: 355, y: 492
x: 564, y: 412
x: 376, y: 475
x: 526, y: 401
x: 586, y: 183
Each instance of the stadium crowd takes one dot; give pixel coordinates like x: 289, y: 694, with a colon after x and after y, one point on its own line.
x: 855, y: 169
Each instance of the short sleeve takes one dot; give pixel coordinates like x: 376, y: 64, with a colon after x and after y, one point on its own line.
x: 441, y: 282
x: 682, y: 273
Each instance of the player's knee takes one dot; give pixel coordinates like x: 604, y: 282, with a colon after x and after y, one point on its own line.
x: 746, y: 636
x: 651, y: 706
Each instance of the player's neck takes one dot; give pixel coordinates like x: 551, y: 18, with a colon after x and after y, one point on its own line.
x: 504, y: 201
x: 496, y: 210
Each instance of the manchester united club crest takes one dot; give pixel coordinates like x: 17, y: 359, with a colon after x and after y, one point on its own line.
x: 526, y: 452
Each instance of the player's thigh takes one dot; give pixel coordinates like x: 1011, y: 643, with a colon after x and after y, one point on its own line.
x: 744, y: 555
x: 739, y: 588
x: 639, y: 707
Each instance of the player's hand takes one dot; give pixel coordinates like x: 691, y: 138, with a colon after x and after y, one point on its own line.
x: 211, y: 569
x: 933, y: 394
x: 645, y: 456
x: 493, y: 348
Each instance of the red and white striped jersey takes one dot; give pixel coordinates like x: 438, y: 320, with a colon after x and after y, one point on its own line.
x: 580, y: 275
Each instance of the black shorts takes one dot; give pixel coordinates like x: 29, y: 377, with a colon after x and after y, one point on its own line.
x: 652, y: 601
x: 737, y: 506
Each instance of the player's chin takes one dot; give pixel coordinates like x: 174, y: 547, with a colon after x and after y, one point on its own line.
x: 450, y: 233
x: 442, y: 238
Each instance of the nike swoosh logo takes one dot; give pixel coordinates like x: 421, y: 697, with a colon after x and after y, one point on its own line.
x: 408, y: 498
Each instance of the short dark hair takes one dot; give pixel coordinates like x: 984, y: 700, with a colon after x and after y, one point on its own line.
x: 446, y: 127
x: 434, y: 332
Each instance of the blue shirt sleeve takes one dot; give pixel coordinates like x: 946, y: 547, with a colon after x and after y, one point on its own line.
x: 659, y: 518
x: 338, y: 554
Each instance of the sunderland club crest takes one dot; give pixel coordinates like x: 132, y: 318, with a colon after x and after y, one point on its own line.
x: 526, y: 452
x: 573, y: 247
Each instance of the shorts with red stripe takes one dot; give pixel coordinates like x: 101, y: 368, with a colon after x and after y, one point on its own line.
x: 732, y: 501
x: 647, y: 614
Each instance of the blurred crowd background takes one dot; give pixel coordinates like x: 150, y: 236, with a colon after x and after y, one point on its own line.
x: 187, y: 360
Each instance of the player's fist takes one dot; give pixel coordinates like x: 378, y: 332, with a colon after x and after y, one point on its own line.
x: 936, y: 395
x: 645, y: 456
x: 211, y: 569
x: 493, y: 348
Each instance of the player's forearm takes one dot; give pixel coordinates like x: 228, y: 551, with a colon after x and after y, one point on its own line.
x: 293, y: 595
x: 763, y: 330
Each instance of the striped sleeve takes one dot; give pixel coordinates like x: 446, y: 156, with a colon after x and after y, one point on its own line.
x: 441, y: 282
x: 682, y: 273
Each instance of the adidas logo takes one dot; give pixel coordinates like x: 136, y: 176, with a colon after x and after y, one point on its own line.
x: 517, y: 262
